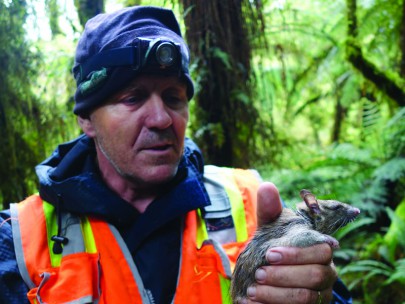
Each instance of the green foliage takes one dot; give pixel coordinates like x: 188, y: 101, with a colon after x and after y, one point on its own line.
x: 33, y: 101
x: 53, y: 13
x: 394, y: 239
x: 18, y: 105
x: 372, y: 179
x: 384, y: 283
x: 55, y: 90
x: 380, y: 273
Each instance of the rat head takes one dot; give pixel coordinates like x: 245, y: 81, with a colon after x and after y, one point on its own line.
x: 327, y: 216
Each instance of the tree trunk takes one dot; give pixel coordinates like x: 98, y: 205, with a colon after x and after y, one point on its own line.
x: 53, y: 14
x: 340, y: 113
x: 217, y: 35
x: 88, y: 9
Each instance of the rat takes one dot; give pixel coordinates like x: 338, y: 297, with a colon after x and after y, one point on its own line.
x: 311, y: 223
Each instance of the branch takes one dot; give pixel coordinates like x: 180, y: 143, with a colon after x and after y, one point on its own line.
x: 382, y: 80
x: 389, y: 84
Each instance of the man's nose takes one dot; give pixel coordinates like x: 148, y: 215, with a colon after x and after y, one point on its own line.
x: 157, y: 115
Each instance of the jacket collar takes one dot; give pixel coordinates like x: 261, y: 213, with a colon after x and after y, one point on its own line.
x: 71, y: 174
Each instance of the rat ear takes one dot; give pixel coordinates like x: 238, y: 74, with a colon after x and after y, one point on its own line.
x: 310, y: 201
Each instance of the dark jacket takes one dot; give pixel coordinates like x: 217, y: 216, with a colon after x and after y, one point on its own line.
x: 70, y: 180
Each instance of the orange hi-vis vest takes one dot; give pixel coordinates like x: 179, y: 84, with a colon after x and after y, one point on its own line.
x: 95, y: 265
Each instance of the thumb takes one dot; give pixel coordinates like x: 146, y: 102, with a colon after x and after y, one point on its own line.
x: 268, y: 203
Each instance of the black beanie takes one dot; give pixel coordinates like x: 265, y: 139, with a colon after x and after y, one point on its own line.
x: 119, y: 31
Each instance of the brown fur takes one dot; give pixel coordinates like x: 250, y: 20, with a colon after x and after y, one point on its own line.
x: 312, y: 223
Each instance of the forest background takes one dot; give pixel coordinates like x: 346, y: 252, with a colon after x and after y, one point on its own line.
x: 311, y: 93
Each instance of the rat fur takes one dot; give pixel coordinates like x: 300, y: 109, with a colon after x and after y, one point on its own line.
x: 312, y: 223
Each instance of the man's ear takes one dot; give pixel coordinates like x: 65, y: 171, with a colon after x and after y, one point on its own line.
x: 86, y: 125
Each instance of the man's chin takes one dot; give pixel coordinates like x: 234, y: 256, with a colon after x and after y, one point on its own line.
x: 155, y: 175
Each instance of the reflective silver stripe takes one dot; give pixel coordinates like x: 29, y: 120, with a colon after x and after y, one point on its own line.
x: 45, y: 277
x: 220, y: 204
x: 181, y: 255
x: 128, y: 257
x: 71, y: 229
x: 18, y: 248
x: 84, y: 300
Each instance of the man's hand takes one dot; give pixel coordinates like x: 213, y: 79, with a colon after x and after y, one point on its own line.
x: 295, y: 275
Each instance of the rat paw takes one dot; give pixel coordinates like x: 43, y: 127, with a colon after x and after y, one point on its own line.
x: 334, y: 243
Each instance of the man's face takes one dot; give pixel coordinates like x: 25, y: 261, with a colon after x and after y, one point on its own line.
x: 139, y: 133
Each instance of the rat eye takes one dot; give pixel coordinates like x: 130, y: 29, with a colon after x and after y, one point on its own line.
x: 335, y: 207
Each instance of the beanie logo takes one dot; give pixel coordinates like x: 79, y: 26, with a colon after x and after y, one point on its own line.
x: 97, y: 79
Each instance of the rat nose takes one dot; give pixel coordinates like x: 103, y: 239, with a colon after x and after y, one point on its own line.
x: 158, y: 115
x: 355, y: 211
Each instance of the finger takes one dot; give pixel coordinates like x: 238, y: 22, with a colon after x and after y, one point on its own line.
x: 275, y: 295
x: 316, y: 277
x: 317, y: 254
x: 268, y: 203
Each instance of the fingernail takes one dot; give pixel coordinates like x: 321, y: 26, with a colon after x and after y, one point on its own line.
x: 273, y: 257
x: 260, y: 275
x: 251, y: 291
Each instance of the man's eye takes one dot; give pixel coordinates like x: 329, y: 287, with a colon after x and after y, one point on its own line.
x: 133, y: 99
x: 174, y: 100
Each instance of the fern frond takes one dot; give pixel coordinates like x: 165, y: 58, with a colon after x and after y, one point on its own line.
x: 399, y: 274
x: 349, y: 152
x: 370, y: 116
x: 397, y: 120
x: 392, y: 170
x: 376, y: 267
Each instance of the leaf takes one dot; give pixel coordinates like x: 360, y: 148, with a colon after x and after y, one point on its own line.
x: 223, y: 56
x: 345, y: 254
x: 353, y: 226
x: 369, y: 266
x: 351, y: 153
x: 354, y: 283
x: 397, y: 119
x: 241, y: 96
x: 396, y: 233
x: 399, y: 274
x: 392, y: 170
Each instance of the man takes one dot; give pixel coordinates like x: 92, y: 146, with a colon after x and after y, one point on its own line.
x: 127, y: 213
